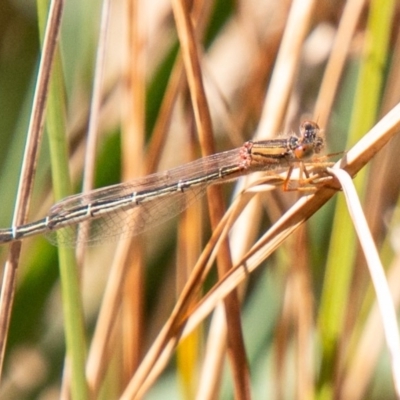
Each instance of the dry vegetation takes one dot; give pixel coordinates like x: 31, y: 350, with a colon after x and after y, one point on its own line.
x: 251, y: 292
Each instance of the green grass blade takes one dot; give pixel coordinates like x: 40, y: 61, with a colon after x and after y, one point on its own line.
x: 71, y: 297
x: 342, y: 251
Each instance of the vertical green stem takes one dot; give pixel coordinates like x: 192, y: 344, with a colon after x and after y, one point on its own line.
x: 69, y: 277
x: 342, y: 249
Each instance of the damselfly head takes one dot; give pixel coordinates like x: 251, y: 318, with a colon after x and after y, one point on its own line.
x: 310, y: 141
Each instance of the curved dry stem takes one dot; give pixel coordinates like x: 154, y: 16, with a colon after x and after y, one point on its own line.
x: 377, y: 272
x: 354, y: 160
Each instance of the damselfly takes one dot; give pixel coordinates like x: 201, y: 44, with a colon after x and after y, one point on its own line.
x: 131, y: 208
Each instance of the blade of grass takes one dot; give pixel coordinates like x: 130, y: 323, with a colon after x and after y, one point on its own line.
x: 93, y: 128
x: 337, y: 59
x: 384, y: 299
x: 370, y: 342
x: 236, y: 349
x: 342, y: 248
x: 132, y: 140
x: 171, y: 328
x: 29, y: 166
x: 286, y: 65
x: 69, y: 277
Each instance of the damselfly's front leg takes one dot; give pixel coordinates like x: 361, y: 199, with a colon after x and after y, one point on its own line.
x: 312, y: 176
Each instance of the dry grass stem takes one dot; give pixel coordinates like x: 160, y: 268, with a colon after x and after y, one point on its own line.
x: 337, y: 59
x: 232, y: 285
x: 33, y: 141
x: 384, y: 299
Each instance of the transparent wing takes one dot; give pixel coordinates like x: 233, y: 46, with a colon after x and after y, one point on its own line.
x: 137, y: 218
x: 198, y: 168
x: 125, y: 222
x: 130, y: 208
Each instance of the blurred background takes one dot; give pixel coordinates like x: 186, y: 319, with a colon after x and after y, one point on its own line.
x: 308, y: 320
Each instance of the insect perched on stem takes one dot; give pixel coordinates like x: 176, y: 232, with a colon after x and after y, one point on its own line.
x: 130, y: 208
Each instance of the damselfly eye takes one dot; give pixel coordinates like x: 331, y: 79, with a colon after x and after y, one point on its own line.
x: 309, y: 130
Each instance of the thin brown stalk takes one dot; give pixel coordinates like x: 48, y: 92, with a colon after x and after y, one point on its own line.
x: 126, y: 250
x: 377, y: 272
x: 337, y: 59
x: 34, y: 136
x: 133, y: 138
x: 382, y: 170
x: 302, y: 309
x: 187, y: 39
x: 94, y: 114
x: 279, y: 91
x: 172, y: 328
x: 369, y: 345
x: 159, y: 136
x: 176, y: 85
x: 110, y: 307
x: 164, y: 345
x: 287, y: 62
